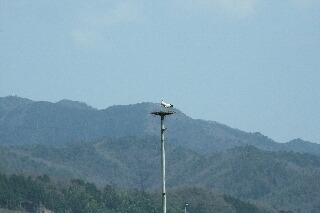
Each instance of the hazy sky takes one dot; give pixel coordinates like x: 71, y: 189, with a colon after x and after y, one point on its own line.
x: 249, y: 64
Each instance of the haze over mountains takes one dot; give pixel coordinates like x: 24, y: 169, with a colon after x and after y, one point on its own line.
x: 23, y: 121
x: 120, y: 146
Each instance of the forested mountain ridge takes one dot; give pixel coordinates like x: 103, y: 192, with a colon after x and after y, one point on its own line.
x: 23, y: 121
x: 120, y: 146
x: 286, y: 180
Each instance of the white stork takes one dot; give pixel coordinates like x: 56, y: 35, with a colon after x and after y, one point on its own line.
x: 165, y: 105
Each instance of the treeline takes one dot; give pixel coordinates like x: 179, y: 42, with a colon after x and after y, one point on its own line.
x: 31, y: 194
x: 19, y: 192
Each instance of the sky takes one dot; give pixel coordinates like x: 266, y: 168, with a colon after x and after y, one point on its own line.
x: 250, y: 64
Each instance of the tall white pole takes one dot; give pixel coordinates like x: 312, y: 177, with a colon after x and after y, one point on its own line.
x: 163, y: 165
x: 163, y: 157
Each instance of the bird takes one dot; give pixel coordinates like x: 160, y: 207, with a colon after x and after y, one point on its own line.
x: 165, y: 105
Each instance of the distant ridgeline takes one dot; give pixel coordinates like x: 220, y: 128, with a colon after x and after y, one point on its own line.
x: 23, y: 121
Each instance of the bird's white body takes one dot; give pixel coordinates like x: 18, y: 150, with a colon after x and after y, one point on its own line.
x: 165, y: 105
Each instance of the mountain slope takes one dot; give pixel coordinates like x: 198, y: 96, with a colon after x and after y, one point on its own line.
x: 273, y: 178
x: 23, y: 121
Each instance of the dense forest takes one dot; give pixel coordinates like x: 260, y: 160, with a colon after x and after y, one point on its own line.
x: 31, y: 194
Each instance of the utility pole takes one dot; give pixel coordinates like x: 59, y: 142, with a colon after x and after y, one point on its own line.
x: 162, y: 114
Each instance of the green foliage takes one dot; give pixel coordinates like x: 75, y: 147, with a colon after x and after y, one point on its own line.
x: 18, y: 192
x: 285, y: 180
x: 22, y: 193
x: 83, y: 197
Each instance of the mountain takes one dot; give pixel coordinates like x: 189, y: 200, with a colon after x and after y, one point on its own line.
x: 120, y: 146
x: 285, y: 180
x: 298, y: 145
x: 23, y: 121
x: 74, y: 104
